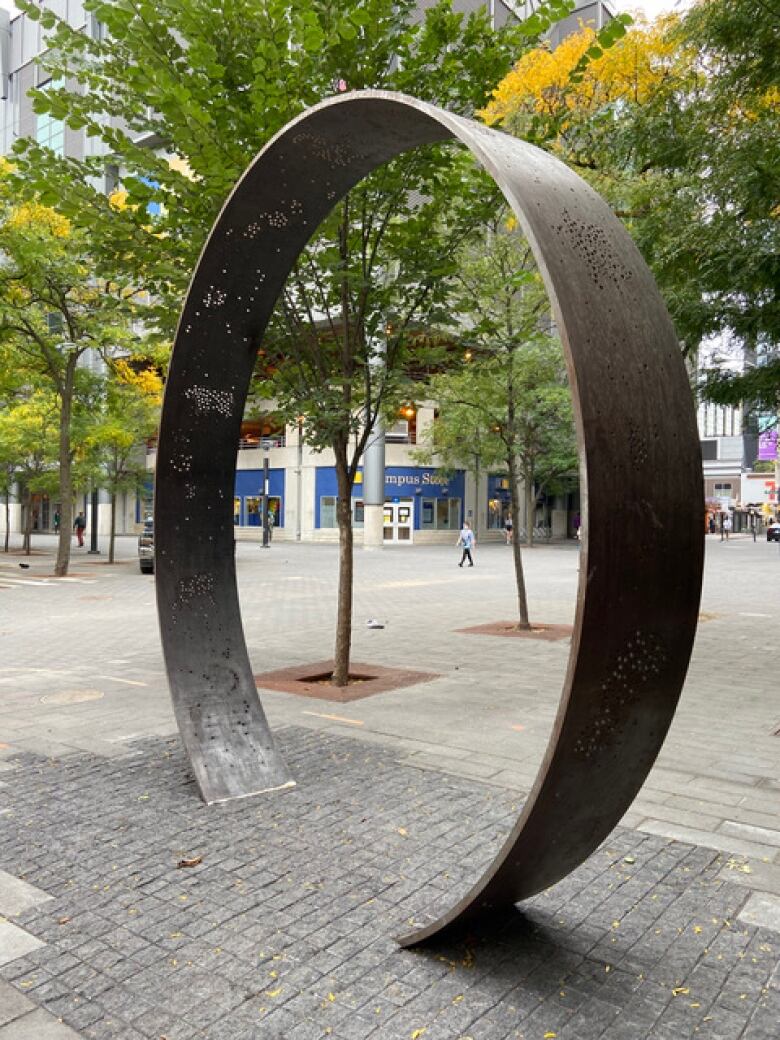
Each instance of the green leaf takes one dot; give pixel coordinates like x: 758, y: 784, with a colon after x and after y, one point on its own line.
x: 346, y: 30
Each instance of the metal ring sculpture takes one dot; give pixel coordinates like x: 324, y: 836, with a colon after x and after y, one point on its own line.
x: 642, y: 554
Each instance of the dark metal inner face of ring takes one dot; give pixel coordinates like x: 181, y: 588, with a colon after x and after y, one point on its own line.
x: 642, y: 549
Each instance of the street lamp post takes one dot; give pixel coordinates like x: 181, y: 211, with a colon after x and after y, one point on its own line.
x: 266, y: 479
x: 299, y: 483
x: 93, y: 524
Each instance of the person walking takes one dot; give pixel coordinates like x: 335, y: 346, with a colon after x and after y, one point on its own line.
x: 79, y: 525
x: 467, y: 540
x: 508, y: 528
x: 57, y: 521
x: 727, y: 525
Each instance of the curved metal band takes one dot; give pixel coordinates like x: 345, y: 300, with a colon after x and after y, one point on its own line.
x: 641, y: 563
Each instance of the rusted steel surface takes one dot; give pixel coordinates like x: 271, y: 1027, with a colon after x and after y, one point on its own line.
x: 642, y: 546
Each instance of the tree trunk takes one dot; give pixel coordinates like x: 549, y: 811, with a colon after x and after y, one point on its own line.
x: 66, y: 482
x: 522, y: 600
x: 7, y: 520
x: 530, y: 510
x: 112, y: 536
x: 344, y: 614
x: 27, y: 538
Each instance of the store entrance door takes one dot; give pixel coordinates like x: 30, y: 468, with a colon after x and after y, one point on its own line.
x: 398, y: 522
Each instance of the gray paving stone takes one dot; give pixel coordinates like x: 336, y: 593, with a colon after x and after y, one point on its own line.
x: 762, y: 835
x: 13, y: 1004
x: 15, y: 942
x: 763, y: 910
x: 16, y: 895
x: 37, y: 1025
x: 712, y: 839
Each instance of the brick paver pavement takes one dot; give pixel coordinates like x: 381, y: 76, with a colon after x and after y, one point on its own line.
x: 96, y: 808
x: 285, y: 927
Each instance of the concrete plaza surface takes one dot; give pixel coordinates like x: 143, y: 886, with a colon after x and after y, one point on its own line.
x: 285, y: 927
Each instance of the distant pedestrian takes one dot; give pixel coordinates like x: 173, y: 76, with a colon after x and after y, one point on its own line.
x: 79, y: 525
x: 508, y: 528
x: 467, y: 540
x: 712, y: 524
x: 56, y: 522
x: 727, y: 525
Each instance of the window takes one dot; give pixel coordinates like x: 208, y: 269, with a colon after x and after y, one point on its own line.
x: 709, y: 450
x: 398, y: 433
x: 440, y: 514
x: 54, y: 322
x: 495, y: 514
x: 50, y: 133
x: 254, y: 510
x: 153, y: 208
x: 328, y: 511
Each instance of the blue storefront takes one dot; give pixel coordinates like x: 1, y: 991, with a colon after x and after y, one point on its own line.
x: 435, y: 501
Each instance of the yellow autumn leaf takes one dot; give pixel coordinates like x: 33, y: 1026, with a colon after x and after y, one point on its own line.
x: 680, y: 990
x: 634, y: 69
x: 550, y: 1036
x: 273, y: 992
x: 418, y: 1033
x: 34, y: 216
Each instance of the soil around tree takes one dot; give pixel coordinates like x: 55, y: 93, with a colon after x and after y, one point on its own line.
x: 365, y: 680
x: 551, y: 633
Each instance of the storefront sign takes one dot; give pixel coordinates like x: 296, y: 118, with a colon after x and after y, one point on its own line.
x: 420, y: 478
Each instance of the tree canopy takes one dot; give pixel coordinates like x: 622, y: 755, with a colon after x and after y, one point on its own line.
x: 53, y: 313
x: 677, y: 125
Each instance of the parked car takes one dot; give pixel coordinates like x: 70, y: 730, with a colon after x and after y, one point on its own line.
x: 773, y: 532
x: 146, y: 548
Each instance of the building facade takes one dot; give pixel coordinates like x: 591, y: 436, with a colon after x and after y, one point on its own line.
x: 423, y: 503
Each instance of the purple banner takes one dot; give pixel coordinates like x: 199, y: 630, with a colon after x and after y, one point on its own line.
x: 767, y: 446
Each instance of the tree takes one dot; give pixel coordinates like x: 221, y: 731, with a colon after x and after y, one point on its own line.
x: 27, y: 451
x: 677, y: 125
x: 52, y: 312
x: 129, y: 415
x: 212, y: 84
x: 509, y: 400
